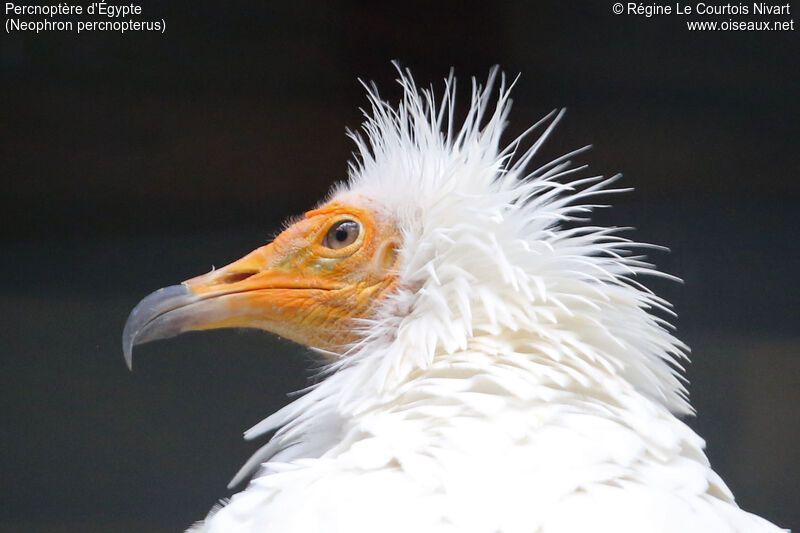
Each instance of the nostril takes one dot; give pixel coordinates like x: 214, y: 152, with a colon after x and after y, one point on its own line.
x: 236, y: 277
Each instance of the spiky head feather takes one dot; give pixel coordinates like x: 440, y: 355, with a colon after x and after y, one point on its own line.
x: 497, y: 258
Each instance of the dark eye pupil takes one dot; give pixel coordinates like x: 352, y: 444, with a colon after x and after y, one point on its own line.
x: 342, y: 234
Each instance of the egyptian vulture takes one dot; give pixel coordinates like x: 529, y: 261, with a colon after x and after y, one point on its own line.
x: 493, y: 362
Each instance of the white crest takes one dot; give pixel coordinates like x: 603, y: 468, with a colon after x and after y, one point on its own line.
x: 492, y: 246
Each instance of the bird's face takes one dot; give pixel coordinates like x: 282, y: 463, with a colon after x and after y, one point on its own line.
x: 309, y: 285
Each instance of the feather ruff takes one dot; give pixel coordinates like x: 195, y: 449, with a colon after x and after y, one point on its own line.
x: 521, y: 378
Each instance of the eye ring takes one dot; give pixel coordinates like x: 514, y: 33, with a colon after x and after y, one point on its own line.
x: 342, y: 234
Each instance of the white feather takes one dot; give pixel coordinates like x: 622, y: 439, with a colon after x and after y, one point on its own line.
x: 518, y: 380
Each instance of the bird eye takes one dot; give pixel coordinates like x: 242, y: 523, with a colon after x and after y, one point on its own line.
x: 342, y: 234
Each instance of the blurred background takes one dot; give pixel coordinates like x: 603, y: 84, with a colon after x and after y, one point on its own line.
x: 134, y: 161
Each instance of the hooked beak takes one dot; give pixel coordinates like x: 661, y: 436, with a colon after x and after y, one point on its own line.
x: 262, y: 290
x: 151, y: 318
x: 267, y: 289
x: 294, y: 286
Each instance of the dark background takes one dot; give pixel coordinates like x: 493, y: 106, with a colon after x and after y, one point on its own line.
x: 134, y: 161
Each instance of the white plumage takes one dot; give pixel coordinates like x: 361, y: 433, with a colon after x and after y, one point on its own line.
x: 519, y: 379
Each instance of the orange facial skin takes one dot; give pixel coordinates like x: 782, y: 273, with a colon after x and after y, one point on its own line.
x: 301, y: 289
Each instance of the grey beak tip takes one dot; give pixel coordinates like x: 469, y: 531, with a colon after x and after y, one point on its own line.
x: 128, y: 340
x: 149, y: 309
x: 127, y: 350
